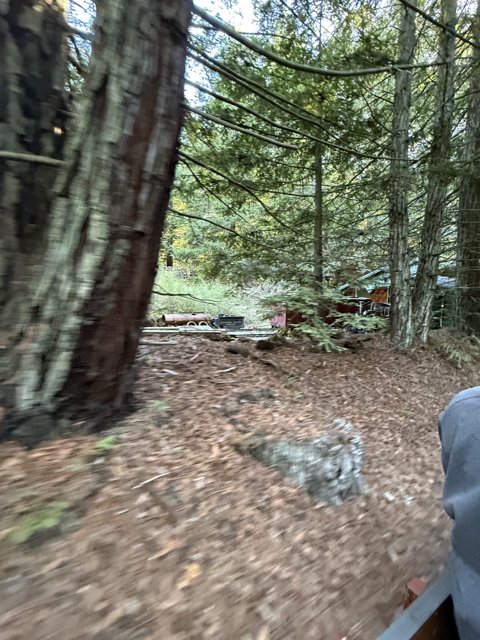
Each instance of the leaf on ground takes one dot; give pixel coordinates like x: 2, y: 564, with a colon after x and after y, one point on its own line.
x: 109, y: 620
x: 191, y: 573
x: 264, y: 633
x: 172, y: 545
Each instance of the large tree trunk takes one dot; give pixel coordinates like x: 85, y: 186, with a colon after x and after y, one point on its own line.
x: 73, y: 360
x: 439, y: 178
x: 401, y: 315
x: 32, y: 75
x: 468, y: 260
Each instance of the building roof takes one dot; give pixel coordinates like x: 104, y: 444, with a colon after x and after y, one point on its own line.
x: 380, y: 278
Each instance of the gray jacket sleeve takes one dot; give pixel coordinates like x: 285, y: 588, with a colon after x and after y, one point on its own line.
x: 459, y: 428
x: 460, y: 436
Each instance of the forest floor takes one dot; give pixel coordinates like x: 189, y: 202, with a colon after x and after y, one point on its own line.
x: 160, y: 529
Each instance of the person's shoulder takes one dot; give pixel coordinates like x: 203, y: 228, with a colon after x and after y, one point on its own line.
x: 467, y: 396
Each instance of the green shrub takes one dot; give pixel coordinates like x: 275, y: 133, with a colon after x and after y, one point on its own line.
x: 462, y: 351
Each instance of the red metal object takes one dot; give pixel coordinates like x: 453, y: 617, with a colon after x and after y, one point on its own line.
x: 415, y: 587
x: 428, y: 613
x: 284, y: 318
x: 380, y: 294
x: 178, y: 319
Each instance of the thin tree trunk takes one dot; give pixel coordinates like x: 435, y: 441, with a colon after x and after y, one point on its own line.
x: 468, y: 261
x: 74, y: 358
x: 401, y: 315
x: 318, y: 219
x: 32, y: 74
x: 439, y: 178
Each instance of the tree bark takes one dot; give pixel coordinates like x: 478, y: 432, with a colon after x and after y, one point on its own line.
x: 318, y: 219
x: 32, y: 105
x: 73, y: 359
x: 468, y: 253
x: 400, y: 287
x: 439, y: 178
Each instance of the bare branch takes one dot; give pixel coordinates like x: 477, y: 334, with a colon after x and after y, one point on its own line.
x: 80, y: 69
x: 85, y: 35
x: 30, y: 157
x: 184, y: 295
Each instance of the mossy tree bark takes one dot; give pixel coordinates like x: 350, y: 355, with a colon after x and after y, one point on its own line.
x: 72, y: 359
x: 468, y: 260
x: 318, y: 221
x: 32, y: 117
x: 401, y: 316
x: 439, y: 178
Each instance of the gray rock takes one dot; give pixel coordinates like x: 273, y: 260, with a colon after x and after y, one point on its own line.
x: 328, y: 466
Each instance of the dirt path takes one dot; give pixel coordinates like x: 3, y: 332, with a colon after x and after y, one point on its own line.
x: 170, y: 534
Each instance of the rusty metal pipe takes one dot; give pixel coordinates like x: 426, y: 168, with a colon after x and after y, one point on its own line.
x: 178, y: 319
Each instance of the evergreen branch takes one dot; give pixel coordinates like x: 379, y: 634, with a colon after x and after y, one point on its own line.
x: 214, y: 195
x: 264, y: 34
x: 435, y: 22
x: 241, y: 185
x: 297, y: 17
x: 297, y: 66
x: 238, y: 105
x: 265, y: 94
x: 249, y: 132
x: 221, y: 226
x: 212, y: 222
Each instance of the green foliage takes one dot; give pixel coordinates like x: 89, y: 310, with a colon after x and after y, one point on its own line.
x: 360, y: 323
x: 313, y: 306
x: 43, y: 520
x: 462, y: 351
x: 199, y: 294
x: 106, y: 444
x: 264, y: 194
x: 274, y: 212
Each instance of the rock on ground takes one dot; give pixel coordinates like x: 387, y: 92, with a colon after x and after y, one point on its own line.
x: 328, y: 466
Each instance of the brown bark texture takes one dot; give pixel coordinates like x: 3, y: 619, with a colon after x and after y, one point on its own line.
x: 468, y: 256
x: 318, y: 219
x: 439, y: 178
x: 73, y: 359
x: 401, y: 315
x: 32, y: 72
